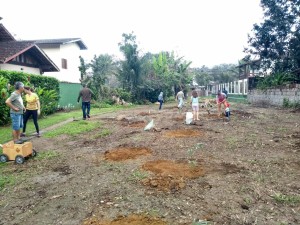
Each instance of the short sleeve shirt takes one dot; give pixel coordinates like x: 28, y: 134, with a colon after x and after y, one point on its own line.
x: 180, y: 94
x: 31, y: 101
x: 17, y: 101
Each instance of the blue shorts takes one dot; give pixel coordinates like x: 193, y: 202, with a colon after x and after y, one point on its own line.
x: 16, y: 121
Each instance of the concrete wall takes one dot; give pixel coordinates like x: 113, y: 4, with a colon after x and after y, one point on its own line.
x: 275, y: 96
x: 71, y: 53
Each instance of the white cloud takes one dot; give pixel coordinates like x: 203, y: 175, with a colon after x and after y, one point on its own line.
x: 207, y: 32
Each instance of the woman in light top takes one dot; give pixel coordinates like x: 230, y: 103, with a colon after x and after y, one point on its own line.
x: 33, y: 107
x: 195, y: 104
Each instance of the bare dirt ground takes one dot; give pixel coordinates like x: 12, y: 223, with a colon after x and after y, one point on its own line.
x: 246, y: 171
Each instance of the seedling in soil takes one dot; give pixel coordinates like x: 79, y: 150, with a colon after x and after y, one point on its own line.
x: 191, y: 153
x: 288, y: 199
x: 201, y: 222
x: 138, y: 175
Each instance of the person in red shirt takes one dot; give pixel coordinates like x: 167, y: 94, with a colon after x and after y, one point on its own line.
x: 221, y: 100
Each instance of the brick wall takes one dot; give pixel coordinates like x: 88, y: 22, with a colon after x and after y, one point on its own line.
x: 275, y: 96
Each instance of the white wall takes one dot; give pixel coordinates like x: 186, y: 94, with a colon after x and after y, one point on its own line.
x: 71, y: 53
x: 25, y: 69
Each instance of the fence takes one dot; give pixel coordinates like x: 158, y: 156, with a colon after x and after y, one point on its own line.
x: 237, y: 90
x: 68, y: 95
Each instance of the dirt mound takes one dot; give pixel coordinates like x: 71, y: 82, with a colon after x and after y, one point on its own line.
x: 124, y: 153
x: 164, y: 183
x: 129, y: 220
x: 144, y: 113
x: 167, y: 168
x: 183, y: 133
x: 137, y: 124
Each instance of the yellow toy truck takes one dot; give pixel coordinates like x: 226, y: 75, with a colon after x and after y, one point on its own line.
x: 17, y: 152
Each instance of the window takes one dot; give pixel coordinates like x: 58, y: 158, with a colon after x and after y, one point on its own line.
x: 64, y: 64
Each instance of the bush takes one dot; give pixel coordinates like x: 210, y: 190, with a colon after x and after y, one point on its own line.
x: 47, y: 88
x: 4, y: 110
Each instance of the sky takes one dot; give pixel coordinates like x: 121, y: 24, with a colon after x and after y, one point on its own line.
x: 206, y: 32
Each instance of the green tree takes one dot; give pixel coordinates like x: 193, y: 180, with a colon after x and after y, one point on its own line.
x: 276, y: 40
x: 102, y: 66
x: 83, y: 69
x: 130, y: 69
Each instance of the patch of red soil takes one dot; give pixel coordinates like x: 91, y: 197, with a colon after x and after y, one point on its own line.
x: 124, y: 153
x: 129, y: 220
x: 183, y: 133
x: 167, y: 168
x: 164, y: 183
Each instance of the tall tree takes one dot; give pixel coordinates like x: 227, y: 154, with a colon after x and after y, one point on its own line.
x: 83, y: 69
x: 130, y: 67
x: 102, y: 66
x: 276, y: 40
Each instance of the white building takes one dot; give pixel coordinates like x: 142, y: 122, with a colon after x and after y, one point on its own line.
x: 65, y: 54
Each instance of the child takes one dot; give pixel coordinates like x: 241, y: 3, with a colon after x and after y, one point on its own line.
x: 195, y: 105
x: 227, y: 110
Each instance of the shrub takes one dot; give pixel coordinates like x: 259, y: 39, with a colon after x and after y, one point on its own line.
x: 47, y: 88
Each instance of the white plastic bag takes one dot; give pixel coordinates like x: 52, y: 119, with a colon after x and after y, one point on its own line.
x: 188, y: 118
x: 149, y: 125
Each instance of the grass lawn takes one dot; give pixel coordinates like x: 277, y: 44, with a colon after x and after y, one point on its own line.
x: 6, y: 131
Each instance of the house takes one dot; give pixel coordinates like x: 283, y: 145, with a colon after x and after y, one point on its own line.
x: 64, y: 53
x: 23, y: 56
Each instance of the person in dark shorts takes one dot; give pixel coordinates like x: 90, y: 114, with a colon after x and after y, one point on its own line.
x: 86, y: 95
x: 15, y: 103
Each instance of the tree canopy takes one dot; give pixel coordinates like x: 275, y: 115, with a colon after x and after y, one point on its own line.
x: 276, y: 41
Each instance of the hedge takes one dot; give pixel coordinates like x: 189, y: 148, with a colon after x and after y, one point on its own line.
x: 48, y: 84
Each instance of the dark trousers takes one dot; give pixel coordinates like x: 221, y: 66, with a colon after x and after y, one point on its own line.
x: 160, y: 104
x: 86, y: 107
x: 27, y: 115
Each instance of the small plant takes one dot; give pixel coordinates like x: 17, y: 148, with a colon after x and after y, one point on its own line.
x: 288, y: 199
x: 191, y: 151
x: 138, y: 175
x: 287, y: 104
x: 201, y: 222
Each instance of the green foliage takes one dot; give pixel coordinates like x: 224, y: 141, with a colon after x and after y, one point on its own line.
x: 138, y: 175
x: 287, y: 199
x: 288, y: 104
x: 130, y: 69
x: 48, y: 100
x: 102, y: 66
x: 47, y: 155
x: 276, y: 40
x: 6, y: 180
x: 274, y: 80
x: 74, y: 128
x: 123, y: 94
x: 4, y: 110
